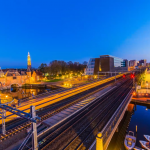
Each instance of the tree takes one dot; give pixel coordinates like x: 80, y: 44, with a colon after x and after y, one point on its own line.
x: 55, y: 67
x: 61, y: 67
x: 42, y: 68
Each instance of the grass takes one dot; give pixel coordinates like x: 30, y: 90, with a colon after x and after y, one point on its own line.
x: 54, y: 80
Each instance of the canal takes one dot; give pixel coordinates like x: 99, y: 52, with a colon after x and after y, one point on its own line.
x: 24, y: 92
x: 136, y: 115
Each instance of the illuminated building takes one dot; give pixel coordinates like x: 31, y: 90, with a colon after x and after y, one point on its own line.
x: 1, y: 73
x: 13, y: 77
x: 142, y: 63
x: 106, y: 63
x: 133, y: 63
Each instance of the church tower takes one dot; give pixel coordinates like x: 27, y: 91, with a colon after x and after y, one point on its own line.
x: 29, y: 62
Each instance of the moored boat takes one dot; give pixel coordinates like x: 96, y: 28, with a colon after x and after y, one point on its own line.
x: 137, y: 148
x: 130, y: 141
x: 145, y: 144
x: 147, y: 137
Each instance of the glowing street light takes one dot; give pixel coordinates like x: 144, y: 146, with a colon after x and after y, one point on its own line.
x: 95, y: 77
x: 134, y: 93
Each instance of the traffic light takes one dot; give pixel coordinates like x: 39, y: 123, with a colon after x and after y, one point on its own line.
x: 132, y: 75
x: 124, y: 75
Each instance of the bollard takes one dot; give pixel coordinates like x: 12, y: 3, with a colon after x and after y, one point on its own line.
x: 136, y: 128
x: 99, y: 142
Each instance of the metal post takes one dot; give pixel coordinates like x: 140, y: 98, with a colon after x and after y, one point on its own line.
x: 34, y: 129
x: 115, y: 76
x: 99, y: 142
x: 3, y: 122
x: 3, y: 112
x: 133, y: 82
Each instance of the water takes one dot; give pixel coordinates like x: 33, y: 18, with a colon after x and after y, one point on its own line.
x: 137, y: 115
x: 20, y: 93
x: 141, y: 118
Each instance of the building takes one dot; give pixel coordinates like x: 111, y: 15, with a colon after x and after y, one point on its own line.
x: 111, y: 63
x: 92, y: 66
x: 147, y: 64
x: 1, y: 73
x: 133, y: 64
x: 14, y: 77
x: 142, y: 63
x: 106, y: 63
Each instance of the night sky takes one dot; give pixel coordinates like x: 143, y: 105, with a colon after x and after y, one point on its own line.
x: 73, y: 30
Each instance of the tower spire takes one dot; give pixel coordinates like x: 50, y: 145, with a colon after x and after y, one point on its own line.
x: 28, y: 62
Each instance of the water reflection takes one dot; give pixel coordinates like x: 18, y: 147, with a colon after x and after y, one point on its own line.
x: 20, y: 93
x: 136, y: 115
x: 141, y: 118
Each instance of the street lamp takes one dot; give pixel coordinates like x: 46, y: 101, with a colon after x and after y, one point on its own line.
x: 147, y: 87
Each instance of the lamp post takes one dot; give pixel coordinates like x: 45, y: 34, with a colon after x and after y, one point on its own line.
x: 115, y: 77
x: 147, y: 87
x: 3, y: 114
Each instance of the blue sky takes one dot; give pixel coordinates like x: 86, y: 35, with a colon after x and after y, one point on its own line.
x: 73, y: 30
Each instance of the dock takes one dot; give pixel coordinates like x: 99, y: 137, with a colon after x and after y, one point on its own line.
x: 141, y: 100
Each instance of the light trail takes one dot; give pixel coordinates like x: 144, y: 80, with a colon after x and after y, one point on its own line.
x: 43, y: 102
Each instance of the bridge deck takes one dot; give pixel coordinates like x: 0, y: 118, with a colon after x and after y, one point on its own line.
x: 112, y: 124
x: 63, y: 115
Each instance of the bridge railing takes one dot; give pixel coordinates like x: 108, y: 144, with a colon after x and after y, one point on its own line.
x: 115, y: 120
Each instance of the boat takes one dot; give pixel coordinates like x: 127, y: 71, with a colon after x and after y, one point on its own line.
x: 137, y: 148
x: 145, y: 144
x: 147, y: 137
x: 130, y: 141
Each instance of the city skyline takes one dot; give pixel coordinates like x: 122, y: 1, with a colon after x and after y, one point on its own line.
x: 28, y: 61
x: 72, y: 31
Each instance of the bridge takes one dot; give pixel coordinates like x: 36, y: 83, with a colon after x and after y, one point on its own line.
x: 75, y: 117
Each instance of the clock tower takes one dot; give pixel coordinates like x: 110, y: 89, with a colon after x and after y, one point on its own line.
x: 28, y: 62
